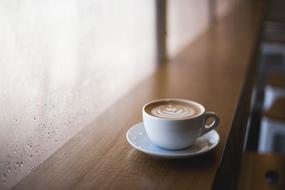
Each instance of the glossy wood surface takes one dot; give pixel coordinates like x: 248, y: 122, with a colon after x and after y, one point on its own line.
x: 211, y: 70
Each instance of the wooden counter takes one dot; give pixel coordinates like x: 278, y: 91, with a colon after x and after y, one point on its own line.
x: 215, y: 70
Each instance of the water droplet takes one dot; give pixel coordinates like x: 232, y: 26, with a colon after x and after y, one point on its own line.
x: 31, y: 156
x: 21, y: 164
x: 34, y: 117
x: 4, y: 177
x: 9, y: 169
x: 18, y: 164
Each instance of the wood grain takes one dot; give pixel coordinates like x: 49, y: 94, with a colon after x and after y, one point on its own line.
x: 212, y: 70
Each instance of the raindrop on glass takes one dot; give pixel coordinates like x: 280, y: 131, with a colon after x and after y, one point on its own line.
x: 4, y: 177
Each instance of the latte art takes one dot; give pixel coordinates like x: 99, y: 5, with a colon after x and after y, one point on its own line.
x: 172, y: 111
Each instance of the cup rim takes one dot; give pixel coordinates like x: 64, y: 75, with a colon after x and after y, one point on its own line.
x: 203, y: 110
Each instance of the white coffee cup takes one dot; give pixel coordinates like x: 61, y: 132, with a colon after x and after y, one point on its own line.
x: 176, y: 123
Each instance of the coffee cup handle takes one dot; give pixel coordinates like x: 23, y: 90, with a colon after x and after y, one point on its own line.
x: 213, y: 124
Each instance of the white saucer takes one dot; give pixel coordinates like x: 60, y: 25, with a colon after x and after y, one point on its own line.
x: 138, y: 138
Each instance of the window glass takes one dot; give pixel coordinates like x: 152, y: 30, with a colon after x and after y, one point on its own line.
x: 62, y: 64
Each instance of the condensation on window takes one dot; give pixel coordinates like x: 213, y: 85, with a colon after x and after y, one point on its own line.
x: 62, y: 63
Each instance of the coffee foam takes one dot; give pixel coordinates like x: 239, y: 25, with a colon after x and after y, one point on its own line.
x: 172, y: 109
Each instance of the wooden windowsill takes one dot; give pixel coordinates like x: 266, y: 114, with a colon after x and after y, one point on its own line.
x: 213, y: 71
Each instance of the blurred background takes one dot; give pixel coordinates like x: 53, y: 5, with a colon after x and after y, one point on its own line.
x: 64, y: 62
x: 263, y: 162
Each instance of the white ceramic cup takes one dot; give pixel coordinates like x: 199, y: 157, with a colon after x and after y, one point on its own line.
x: 178, y: 133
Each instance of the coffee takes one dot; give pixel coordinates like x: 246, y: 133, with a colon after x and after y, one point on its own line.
x: 176, y: 123
x: 172, y: 109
